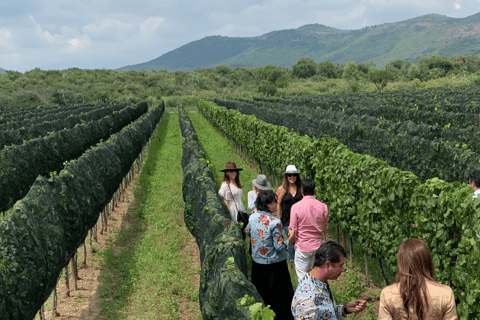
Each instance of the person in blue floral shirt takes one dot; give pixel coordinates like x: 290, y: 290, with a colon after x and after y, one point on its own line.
x: 313, y: 299
x: 269, y: 253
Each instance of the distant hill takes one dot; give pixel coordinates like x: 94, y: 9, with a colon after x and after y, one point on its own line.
x: 2, y: 70
x: 406, y: 40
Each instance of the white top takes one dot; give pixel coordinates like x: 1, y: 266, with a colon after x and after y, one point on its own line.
x: 476, y: 194
x: 237, y: 193
x: 252, y: 197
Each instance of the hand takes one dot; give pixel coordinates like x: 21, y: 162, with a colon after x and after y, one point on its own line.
x: 356, y: 306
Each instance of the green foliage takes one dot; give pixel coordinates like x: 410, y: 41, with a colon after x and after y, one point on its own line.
x: 304, y: 68
x: 326, y: 69
x: 44, y: 229
x: 257, y: 311
x: 380, y: 77
x: 376, y: 204
x: 267, y: 88
x: 222, y: 281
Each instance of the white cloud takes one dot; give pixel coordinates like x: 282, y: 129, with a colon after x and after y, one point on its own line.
x: 457, y: 6
x: 150, y: 25
x: 109, y: 29
x: 6, y: 41
x: 226, y: 30
x: 79, y: 44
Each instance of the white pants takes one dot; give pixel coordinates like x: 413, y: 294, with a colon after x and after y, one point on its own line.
x: 303, y: 262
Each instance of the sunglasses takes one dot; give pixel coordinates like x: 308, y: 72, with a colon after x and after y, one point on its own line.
x: 291, y: 174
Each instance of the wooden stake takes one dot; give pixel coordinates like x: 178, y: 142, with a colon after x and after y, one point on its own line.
x: 385, y: 280
x: 344, y: 240
x: 85, y: 254
x: 67, y: 284
x: 352, y: 257
x: 42, y: 312
x: 55, y: 298
x: 366, y: 265
x: 75, y: 271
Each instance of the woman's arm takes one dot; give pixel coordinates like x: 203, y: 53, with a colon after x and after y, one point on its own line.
x: 451, y: 312
x: 223, y: 192
x: 252, y: 196
x: 383, y: 312
x: 280, y: 194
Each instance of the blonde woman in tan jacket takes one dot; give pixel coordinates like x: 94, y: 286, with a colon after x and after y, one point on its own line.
x: 416, y: 295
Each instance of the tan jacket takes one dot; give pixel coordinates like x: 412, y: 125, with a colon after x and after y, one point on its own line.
x: 441, y: 300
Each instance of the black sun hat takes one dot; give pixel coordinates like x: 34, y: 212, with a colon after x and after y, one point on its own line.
x: 231, y: 166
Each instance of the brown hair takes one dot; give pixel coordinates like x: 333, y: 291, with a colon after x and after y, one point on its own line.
x: 415, y: 266
x: 237, y: 179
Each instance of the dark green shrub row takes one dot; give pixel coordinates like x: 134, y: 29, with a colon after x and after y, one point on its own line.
x: 223, y: 282
x: 7, y: 114
x: 426, y: 158
x: 455, y: 135
x: 21, y: 164
x: 46, y: 227
x: 375, y: 203
x: 464, y: 100
x: 25, y: 133
x: 36, y: 118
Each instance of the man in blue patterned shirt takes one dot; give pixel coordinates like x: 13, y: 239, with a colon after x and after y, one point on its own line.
x: 313, y: 298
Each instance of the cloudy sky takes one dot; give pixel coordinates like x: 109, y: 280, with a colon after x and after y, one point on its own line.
x: 90, y: 34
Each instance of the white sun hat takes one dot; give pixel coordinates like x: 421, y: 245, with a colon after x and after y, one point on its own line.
x: 291, y: 169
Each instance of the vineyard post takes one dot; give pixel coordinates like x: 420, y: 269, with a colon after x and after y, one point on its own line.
x: 74, y: 271
x: 338, y: 232
x: 42, y: 312
x: 95, y: 232
x: 85, y: 254
x: 383, y: 272
x: 352, y: 258
x: 366, y: 265
x: 105, y: 221
x: 91, y: 239
x: 67, y: 284
x: 54, y: 308
x: 101, y: 221
x: 344, y: 240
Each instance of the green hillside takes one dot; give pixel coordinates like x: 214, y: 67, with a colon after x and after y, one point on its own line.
x: 406, y: 40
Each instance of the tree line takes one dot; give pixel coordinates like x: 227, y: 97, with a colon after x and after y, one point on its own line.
x: 80, y: 86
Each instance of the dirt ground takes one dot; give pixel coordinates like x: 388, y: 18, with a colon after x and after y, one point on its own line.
x: 84, y: 303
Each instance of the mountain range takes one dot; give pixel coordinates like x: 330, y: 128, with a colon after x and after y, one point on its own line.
x: 2, y: 70
x: 406, y: 40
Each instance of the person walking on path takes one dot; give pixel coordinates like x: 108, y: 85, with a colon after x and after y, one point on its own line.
x: 288, y: 194
x: 269, y: 253
x: 313, y: 298
x: 307, y: 228
x: 416, y: 295
x: 258, y: 184
x: 231, y: 189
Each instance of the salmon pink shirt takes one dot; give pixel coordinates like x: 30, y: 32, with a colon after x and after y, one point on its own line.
x: 309, y: 219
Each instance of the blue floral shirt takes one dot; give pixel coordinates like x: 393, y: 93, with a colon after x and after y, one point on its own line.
x: 313, y: 301
x: 267, y: 238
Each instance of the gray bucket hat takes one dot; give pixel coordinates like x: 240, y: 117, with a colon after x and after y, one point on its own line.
x: 261, y: 182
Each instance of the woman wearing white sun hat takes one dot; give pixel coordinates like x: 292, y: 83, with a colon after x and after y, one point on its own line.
x: 288, y: 194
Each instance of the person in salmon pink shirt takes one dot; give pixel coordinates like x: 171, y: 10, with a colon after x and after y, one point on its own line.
x: 308, y: 227
x: 269, y: 253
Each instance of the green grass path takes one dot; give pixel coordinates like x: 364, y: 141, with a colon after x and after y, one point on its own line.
x: 150, y: 273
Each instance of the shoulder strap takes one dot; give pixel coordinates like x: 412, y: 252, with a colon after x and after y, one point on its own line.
x: 233, y: 199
